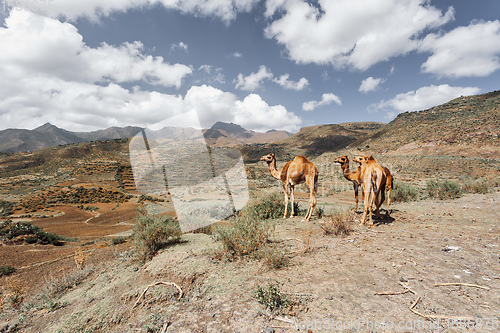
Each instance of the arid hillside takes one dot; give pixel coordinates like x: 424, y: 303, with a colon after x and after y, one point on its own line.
x: 466, y: 126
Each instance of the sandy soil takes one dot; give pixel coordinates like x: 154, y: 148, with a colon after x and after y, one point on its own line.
x: 335, y: 285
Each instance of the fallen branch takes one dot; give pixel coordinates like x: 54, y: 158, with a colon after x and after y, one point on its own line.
x: 393, y: 292
x: 461, y: 284
x: 156, y: 283
x: 165, y: 326
x: 436, y: 316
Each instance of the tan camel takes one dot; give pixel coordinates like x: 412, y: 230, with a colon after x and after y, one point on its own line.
x: 295, y: 172
x: 387, y: 184
x: 354, y: 177
x: 372, y: 175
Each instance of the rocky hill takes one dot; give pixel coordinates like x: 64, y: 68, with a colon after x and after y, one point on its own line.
x: 465, y: 126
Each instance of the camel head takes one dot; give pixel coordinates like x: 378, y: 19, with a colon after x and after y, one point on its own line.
x: 269, y: 158
x: 361, y: 159
x: 341, y: 159
x: 365, y: 159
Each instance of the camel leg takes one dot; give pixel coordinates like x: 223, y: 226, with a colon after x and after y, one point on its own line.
x: 370, y: 205
x: 292, y: 199
x: 377, y: 205
x: 366, y: 198
x: 286, y: 200
x: 312, y: 203
x: 355, y: 185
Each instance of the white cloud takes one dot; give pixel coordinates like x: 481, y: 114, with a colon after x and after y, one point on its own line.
x: 37, y: 45
x: 253, y: 113
x: 292, y: 85
x: 331, y: 33
x: 326, y: 99
x: 179, y: 45
x: 253, y: 81
x: 47, y: 73
x: 370, y: 84
x: 236, y: 55
x: 423, y: 98
x: 225, y: 10
x: 473, y: 50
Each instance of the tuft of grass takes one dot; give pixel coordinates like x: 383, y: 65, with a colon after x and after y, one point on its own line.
x: 271, y: 297
x: 442, y: 190
x: 403, y: 192
x: 118, y: 240
x: 7, y: 270
x: 153, y: 232
x: 14, y: 293
x: 338, y: 222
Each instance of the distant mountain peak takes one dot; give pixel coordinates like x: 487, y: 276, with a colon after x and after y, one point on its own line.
x: 45, y: 127
x: 230, y: 128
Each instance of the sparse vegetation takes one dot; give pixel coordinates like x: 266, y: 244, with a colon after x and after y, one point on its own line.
x: 20, y: 232
x: 118, y: 240
x: 271, y: 297
x: 7, y: 270
x: 442, y: 190
x: 479, y: 185
x: 338, y: 222
x: 249, y: 233
x: 153, y: 232
x: 403, y: 192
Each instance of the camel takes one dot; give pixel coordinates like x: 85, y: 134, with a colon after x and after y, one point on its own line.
x: 354, y: 177
x: 372, y: 175
x: 295, y: 172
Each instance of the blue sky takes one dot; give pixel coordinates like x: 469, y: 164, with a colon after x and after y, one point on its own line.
x: 275, y: 64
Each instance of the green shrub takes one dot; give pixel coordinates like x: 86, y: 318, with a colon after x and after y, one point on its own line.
x: 153, y: 232
x: 338, y: 222
x: 271, y: 298
x: 403, y: 192
x: 479, y: 185
x: 270, y: 206
x: 29, y: 233
x: 442, y: 190
x: 118, y: 240
x: 244, y: 236
x: 7, y: 270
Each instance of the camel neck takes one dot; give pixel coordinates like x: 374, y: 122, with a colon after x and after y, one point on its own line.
x: 274, y: 172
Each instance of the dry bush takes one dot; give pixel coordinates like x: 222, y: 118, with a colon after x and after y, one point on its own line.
x: 153, y: 232
x: 338, y: 222
x: 13, y: 293
x: 80, y: 258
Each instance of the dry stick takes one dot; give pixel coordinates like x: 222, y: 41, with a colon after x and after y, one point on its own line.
x: 460, y: 284
x: 286, y: 320
x: 156, y: 283
x: 165, y: 326
x: 393, y: 292
x: 435, y: 316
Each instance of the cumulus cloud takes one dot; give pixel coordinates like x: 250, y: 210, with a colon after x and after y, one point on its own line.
x: 330, y: 32
x: 179, y: 45
x: 292, y: 85
x: 423, y: 98
x: 472, y: 50
x: 47, y: 73
x: 370, y: 84
x: 253, y: 81
x: 326, y: 99
x: 253, y: 113
x: 37, y: 45
x: 225, y: 10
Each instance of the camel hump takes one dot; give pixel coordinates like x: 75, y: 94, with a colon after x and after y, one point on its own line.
x: 301, y: 158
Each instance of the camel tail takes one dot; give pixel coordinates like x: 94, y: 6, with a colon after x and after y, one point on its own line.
x: 374, y: 182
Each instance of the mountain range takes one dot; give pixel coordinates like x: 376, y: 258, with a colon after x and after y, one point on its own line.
x: 48, y: 135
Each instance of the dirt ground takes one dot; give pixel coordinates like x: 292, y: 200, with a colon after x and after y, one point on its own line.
x: 368, y: 281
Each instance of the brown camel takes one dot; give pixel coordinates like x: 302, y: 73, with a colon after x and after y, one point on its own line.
x: 295, y: 172
x: 354, y: 177
x: 387, y: 184
x: 372, y: 175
